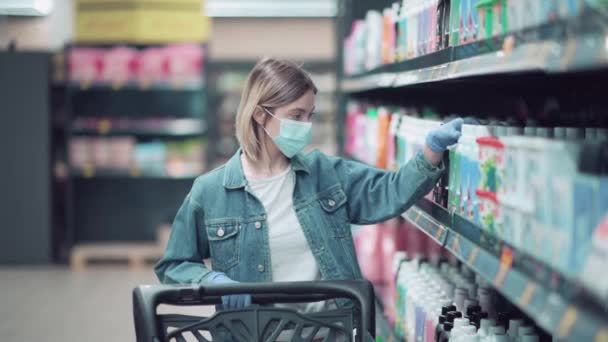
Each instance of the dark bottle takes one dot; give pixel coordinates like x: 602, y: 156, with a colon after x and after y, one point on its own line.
x: 447, y: 328
x: 442, y: 319
x: 471, y: 309
x: 439, y: 327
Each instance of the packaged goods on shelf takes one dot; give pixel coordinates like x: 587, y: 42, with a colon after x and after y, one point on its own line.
x: 412, y: 28
x: 126, y: 156
x: 172, y: 66
x: 444, y: 302
x: 541, y: 195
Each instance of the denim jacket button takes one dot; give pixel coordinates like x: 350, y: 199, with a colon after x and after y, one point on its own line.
x: 220, y: 232
x: 258, y: 225
x: 331, y: 203
x: 261, y: 268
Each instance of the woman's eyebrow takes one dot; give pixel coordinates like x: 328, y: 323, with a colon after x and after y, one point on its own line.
x: 297, y: 110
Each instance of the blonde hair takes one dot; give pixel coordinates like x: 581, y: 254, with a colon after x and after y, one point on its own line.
x: 271, y: 83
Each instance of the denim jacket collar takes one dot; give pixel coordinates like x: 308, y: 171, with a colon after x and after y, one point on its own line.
x: 234, y: 177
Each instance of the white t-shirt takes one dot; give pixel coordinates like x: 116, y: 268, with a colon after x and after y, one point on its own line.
x: 290, y: 254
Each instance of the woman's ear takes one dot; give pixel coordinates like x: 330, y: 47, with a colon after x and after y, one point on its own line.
x: 259, y: 115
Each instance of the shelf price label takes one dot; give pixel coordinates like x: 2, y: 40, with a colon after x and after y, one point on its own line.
x: 527, y: 294
x: 506, y: 261
x: 103, y: 127
x: 567, y: 322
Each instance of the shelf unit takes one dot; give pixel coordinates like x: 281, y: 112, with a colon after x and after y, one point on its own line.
x: 548, y: 49
x: 520, y: 66
x: 568, y: 315
x: 127, y: 205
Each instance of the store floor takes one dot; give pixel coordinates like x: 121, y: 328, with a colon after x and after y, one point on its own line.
x: 55, y: 304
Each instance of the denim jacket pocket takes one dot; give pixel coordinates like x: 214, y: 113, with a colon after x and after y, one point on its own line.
x: 224, y: 244
x: 334, y: 213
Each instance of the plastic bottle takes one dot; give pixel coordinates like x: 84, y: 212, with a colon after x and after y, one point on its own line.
x: 514, y: 325
x: 484, y: 328
x: 447, y: 328
x: 523, y: 330
x: 497, y: 334
x: 530, y: 338
x: 402, y: 32
x: 486, y: 301
x: 460, y: 295
x: 459, y: 323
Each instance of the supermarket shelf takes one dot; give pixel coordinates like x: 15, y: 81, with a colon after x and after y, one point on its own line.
x: 174, y: 128
x: 567, y: 317
x: 84, y: 87
x: 113, y: 174
x: 555, y: 47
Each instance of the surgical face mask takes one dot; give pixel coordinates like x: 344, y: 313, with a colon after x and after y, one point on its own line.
x: 293, y: 135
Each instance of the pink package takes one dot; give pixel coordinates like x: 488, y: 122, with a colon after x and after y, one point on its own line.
x: 151, y: 67
x: 184, y: 65
x: 85, y: 65
x: 367, y: 243
x: 120, y: 66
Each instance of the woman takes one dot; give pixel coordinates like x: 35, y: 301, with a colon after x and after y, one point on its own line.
x: 272, y: 213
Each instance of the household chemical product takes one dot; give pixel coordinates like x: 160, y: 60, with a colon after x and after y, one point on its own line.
x: 460, y: 295
x: 392, y: 149
x: 443, y: 319
x: 455, y: 15
x: 514, y: 325
x: 530, y: 338
x: 382, y: 138
x: 486, y: 301
x: 484, y: 328
x: 447, y: 328
x: 373, y: 42
x: 497, y: 334
x: 469, y: 338
x: 522, y: 331
x: 459, y: 324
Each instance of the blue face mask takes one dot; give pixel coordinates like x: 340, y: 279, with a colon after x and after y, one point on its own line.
x: 293, y: 135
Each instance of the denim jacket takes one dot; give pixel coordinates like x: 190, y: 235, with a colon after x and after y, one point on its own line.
x: 221, y: 219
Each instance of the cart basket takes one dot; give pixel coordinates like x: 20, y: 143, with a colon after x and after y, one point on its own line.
x: 261, y: 321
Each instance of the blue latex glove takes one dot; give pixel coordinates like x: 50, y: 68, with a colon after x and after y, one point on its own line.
x: 446, y: 135
x: 230, y: 302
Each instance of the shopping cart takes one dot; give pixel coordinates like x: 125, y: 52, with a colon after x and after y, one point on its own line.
x: 262, y: 321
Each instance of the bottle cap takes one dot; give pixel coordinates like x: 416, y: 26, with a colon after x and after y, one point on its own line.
x: 442, y: 319
x: 453, y: 315
x: 448, y: 308
x: 473, y: 308
x: 447, y: 326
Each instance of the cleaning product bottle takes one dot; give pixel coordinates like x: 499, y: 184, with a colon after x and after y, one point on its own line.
x: 514, y: 325
x: 523, y: 330
x: 460, y: 295
x: 442, y: 319
x: 459, y: 323
x: 447, y: 328
x: 484, y: 328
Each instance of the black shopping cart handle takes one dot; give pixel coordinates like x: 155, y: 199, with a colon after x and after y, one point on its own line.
x: 146, y: 298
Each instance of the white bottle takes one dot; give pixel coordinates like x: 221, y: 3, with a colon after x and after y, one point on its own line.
x: 514, y: 325
x: 469, y: 338
x: 497, y: 334
x: 484, y: 328
x: 524, y: 330
x: 469, y: 330
x: 530, y: 338
x: 460, y: 295
x: 456, y: 332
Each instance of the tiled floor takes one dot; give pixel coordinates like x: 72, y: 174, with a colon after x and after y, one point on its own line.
x: 54, y: 304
